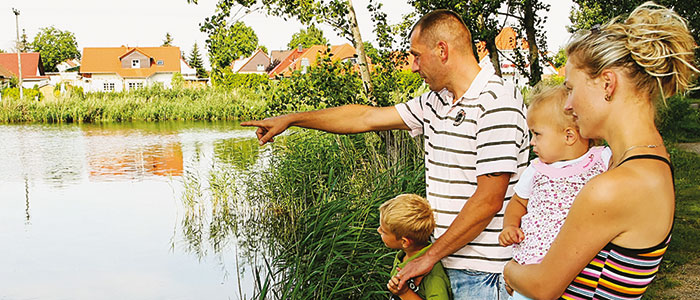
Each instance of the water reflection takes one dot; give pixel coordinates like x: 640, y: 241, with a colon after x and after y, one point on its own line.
x: 105, y: 211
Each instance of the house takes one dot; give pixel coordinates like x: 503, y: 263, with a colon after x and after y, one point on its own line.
x: 124, y: 68
x: 300, y: 59
x: 507, y: 42
x: 68, y: 65
x: 257, y: 63
x: 32, y: 69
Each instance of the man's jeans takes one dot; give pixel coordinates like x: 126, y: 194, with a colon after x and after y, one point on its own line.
x: 476, y: 285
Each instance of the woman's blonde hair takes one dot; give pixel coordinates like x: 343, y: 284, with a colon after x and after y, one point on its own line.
x: 653, y: 45
x: 409, y: 216
x: 549, y: 100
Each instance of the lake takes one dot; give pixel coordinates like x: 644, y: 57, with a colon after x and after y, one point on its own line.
x: 124, y: 211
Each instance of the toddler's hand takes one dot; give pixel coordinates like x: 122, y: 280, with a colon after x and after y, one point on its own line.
x: 510, y: 235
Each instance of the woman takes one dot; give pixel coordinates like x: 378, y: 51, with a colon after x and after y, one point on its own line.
x: 619, y: 225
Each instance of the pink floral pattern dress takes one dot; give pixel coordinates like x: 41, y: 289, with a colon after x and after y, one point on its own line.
x: 552, y: 190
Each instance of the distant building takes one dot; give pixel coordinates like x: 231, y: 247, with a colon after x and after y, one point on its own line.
x: 68, y: 65
x: 257, y: 63
x: 32, y: 69
x: 301, y: 59
x: 125, y: 68
x: 507, y: 42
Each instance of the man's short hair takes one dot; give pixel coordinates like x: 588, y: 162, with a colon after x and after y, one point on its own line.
x: 408, y: 216
x: 444, y: 25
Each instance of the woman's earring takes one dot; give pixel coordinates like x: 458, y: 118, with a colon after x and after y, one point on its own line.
x: 607, y: 97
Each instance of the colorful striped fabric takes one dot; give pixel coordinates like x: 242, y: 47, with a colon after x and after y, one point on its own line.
x: 617, y: 273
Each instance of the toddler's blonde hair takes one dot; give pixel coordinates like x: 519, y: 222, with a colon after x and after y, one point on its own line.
x: 548, y: 101
x: 409, y: 216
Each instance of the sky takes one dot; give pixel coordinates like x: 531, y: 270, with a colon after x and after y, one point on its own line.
x: 145, y: 23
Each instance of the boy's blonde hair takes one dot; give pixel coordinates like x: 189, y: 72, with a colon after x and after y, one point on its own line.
x: 548, y: 101
x: 408, y: 216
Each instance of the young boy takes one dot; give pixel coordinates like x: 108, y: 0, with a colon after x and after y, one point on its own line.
x: 406, y: 222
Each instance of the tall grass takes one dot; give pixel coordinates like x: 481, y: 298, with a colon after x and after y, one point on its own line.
x: 319, y: 197
x: 148, y: 104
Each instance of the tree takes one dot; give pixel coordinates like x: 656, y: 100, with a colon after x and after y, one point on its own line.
x: 228, y: 43
x: 168, y: 41
x: 532, y: 23
x: 560, y: 58
x: 263, y: 48
x: 55, y: 46
x: 307, y: 38
x: 587, y: 13
x: 339, y: 14
x: 24, y: 45
x: 195, y: 61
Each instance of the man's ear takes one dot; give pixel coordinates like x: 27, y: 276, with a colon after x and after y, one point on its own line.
x: 571, y: 135
x: 442, y: 51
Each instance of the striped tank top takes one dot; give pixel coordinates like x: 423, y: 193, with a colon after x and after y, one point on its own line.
x: 617, y: 272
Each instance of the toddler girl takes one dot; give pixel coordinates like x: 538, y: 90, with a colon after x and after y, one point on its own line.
x: 548, y: 186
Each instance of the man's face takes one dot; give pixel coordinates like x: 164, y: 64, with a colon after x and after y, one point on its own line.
x: 425, y: 62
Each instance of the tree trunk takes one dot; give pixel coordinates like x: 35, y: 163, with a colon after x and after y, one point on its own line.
x: 490, y: 46
x: 361, y: 55
x: 530, y: 32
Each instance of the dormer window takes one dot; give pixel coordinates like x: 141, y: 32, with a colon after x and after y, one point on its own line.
x: 159, y: 62
x: 135, y: 63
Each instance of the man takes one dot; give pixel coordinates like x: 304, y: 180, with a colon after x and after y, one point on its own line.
x: 476, y: 145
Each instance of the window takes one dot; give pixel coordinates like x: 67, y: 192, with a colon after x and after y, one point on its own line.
x: 135, y: 85
x: 305, y: 64
x: 159, y: 62
x: 261, y: 67
x: 109, y: 86
x: 135, y: 63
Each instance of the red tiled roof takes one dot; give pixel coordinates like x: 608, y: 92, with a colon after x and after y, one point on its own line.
x: 507, y: 39
x: 107, y: 60
x: 31, y: 64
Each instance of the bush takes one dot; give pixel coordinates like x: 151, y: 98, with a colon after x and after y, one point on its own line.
x: 227, y: 79
x: 677, y: 121
x: 327, y: 84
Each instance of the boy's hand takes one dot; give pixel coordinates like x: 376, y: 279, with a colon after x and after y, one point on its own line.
x: 510, y: 235
x: 268, y: 128
x: 393, y: 286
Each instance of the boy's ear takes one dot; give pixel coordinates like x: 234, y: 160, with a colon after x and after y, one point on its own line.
x: 571, y: 136
x: 406, y: 242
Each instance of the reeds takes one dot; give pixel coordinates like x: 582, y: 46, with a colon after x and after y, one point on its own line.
x: 147, y: 104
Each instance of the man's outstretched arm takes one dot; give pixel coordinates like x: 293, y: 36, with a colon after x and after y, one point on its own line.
x: 352, y: 118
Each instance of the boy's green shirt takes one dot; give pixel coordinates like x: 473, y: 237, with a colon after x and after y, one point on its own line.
x: 435, y: 285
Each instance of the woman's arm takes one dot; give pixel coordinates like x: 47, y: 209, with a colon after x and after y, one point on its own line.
x: 593, y: 221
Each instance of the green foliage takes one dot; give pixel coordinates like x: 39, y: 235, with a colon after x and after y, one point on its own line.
x: 228, y: 43
x: 168, y: 41
x: 178, y: 82
x: 24, y: 44
x: 153, y: 103
x: 560, y: 58
x: 320, y: 196
x: 263, y: 48
x: 30, y: 95
x: 590, y: 12
x: 327, y: 84
x: 677, y: 121
x: 55, y: 46
x: 228, y: 79
x: 195, y: 61
x: 307, y: 38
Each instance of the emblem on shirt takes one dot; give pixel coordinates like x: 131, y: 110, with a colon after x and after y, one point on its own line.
x: 461, y: 115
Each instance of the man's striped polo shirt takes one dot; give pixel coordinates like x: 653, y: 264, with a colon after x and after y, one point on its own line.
x: 483, y: 132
